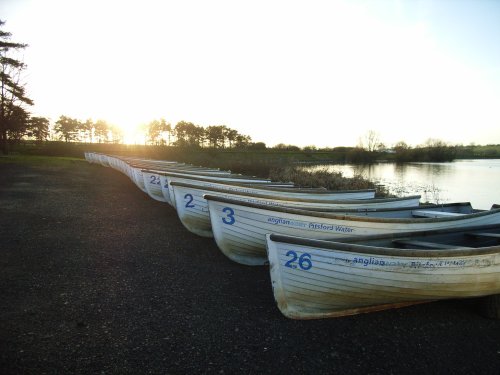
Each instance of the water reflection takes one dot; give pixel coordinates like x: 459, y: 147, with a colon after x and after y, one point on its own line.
x: 475, y: 181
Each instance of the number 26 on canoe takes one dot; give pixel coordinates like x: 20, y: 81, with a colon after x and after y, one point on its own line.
x: 304, y: 260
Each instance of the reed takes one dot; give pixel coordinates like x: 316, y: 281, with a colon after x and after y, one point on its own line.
x: 326, y: 179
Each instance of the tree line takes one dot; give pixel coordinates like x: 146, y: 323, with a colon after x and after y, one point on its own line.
x: 156, y: 132
x: 184, y: 133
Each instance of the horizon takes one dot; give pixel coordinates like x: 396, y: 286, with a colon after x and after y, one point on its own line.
x: 139, y: 137
x: 322, y: 73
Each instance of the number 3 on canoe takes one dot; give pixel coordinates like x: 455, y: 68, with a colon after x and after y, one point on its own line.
x: 229, y: 219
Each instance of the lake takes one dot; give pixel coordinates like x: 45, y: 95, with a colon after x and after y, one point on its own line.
x: 476, y: 181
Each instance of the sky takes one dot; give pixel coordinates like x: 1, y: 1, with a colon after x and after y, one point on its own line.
x: 313, y: 72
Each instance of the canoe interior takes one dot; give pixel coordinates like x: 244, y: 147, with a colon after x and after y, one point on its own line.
x: 447, y: 241
x: 433, y: 211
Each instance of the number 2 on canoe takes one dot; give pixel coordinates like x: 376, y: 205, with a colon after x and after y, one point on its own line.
x: 189, y: 203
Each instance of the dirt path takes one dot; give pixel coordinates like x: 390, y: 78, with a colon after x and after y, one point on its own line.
x: 96, y: 277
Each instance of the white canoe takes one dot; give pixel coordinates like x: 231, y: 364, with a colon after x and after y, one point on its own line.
x: 239, y: 228
x: 166, y: 178
x: 147, y: 179
x: 320, y: 279
x: 286, y: 190
x: 151, y: 176
x: 192, y: 207
x: 152, y: 179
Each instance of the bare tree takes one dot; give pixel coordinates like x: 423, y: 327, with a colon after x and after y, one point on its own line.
x: 371, y: 142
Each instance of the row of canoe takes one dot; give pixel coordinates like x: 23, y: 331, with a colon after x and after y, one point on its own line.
x: 332, y: 253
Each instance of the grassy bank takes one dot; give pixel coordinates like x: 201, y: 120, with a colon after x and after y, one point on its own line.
x: 277, y: 170
x: 39, y: 159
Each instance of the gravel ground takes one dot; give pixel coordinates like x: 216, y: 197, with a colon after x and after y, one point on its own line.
x: 96, y: 277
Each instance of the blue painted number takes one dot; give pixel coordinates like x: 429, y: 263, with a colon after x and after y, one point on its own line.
x: 229, y: 219
x: 154, y: 180
x: 304, y: 260
x: 189, y: 202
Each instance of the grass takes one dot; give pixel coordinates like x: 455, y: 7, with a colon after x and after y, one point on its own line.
x: 38, y: 160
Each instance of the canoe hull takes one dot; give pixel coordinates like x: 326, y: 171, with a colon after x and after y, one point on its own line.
x: 192, y: 207
x: 152, y: 186
x: 239, y: 230
x: 310, y: 282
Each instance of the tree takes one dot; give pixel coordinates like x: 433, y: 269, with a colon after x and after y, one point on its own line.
x: 101, y: 131
x: 402, y: 152
x: 167, y: 128
x: 310, y: 148
x: 188, y: 134
x: 116, y: 134
x: 215, y: 135
x: 196, y: 136
x: 284, y: 147
x: 243, y: 141
x: 230, y: 135
x: 38, y: 128
x: 67, y: 128
x: 157, y: 131
x: 18, y: 124
x: 436, y: 150
x: 87, y: 130
x: 153, y: 132
x: 257, y: 146
x: 13, y: 99
x: 165, y: 131
x: 371, y: 142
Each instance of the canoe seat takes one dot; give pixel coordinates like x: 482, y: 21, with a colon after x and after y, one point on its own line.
x: 484, y: 235
x: 425, y: 244
x: 434, y: 214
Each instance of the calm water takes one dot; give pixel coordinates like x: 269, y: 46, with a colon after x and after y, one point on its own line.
x: 475, y: 181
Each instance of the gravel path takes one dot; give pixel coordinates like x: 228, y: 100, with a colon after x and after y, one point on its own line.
x: 96, y: 277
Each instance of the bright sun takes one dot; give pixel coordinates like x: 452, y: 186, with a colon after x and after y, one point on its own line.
x: 133, y: 135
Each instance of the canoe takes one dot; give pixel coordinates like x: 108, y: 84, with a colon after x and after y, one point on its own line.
x: 107, y: 160
x: 287, y: 190
x: 152, y: 179
x: 155, y: 167
x: 146, y: 178
x: 239, y: 228
x: 319, y: 279
x: 192, y: 208
x: 166, y: 178
x: 151, y: 176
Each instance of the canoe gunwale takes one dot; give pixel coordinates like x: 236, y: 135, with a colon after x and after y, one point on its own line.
x: 293, y: 199
x: 182, y: 170
x: 287, y: 186
x: 385, y: 251
x: 340, y: 216
x: 201, y: 175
